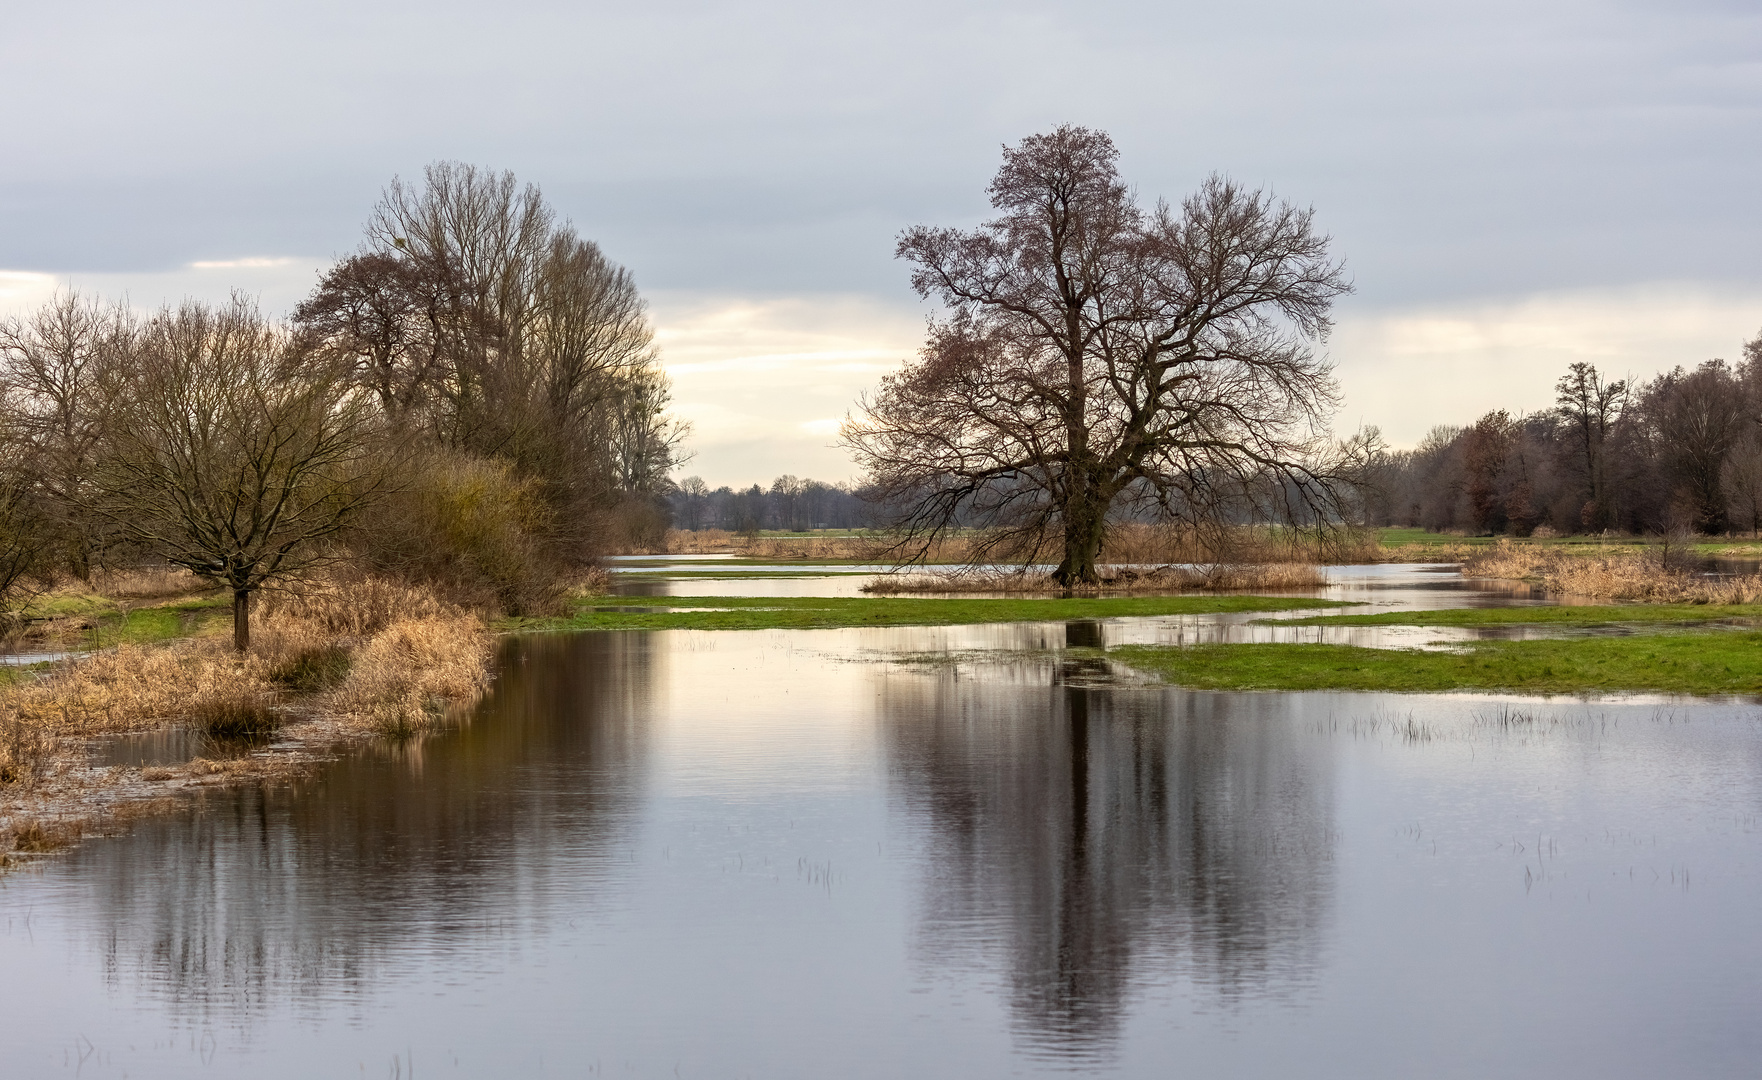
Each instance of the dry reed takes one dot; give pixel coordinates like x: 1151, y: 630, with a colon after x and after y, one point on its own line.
x: 403, y: 680
x: 1128, y: 543
x: 145, y: 583
x: 133, y: 688
x: 1641, y: 576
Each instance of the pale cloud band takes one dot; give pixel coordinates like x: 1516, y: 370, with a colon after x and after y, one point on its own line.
x: 1408, y: 369
x: 765, y: 381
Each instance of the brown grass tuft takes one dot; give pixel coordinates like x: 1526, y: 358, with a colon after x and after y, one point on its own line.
x: 233, y: 716
x: 133, y: 688
x: 402, y: 681
x: 24, y: 749
x: 35, y: 837
x: 354, y: 605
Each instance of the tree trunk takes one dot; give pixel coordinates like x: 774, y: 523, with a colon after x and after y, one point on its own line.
x: 241, y: 619
x: 1083, y: 531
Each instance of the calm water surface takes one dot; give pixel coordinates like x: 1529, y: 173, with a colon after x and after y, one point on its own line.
x: 952, y: 852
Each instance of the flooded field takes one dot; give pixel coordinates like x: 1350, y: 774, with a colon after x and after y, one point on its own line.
x: 954, y: 851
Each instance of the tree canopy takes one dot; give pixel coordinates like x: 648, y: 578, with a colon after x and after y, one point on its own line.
x: 1099, y: 357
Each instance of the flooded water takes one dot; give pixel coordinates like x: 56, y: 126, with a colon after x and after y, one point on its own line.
x: 946, y: 852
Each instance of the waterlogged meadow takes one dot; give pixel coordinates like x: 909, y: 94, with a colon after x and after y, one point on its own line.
x: 1007, y: 844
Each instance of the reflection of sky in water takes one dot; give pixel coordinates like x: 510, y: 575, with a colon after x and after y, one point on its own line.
x: 786, y: 853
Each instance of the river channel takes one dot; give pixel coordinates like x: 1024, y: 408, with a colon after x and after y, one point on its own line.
x: 936, y: 852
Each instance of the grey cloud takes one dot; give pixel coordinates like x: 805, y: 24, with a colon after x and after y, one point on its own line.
x: 1469, y: 150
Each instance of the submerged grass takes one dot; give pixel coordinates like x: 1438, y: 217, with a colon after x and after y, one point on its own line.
x: 1574, y: 616
x: 1707, y: 662
x: 819, y: 612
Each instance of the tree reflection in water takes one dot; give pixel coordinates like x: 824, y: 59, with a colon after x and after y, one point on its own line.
x: 1091, y: 840
x: 282, y: 894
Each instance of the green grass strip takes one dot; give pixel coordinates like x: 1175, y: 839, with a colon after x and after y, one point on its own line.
x: 819, y: 612
x: 1702, y: 663
x: 1579, y: 616
x: 736, y: 575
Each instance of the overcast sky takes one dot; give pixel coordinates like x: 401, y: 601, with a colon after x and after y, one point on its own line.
x: 1513, y: 186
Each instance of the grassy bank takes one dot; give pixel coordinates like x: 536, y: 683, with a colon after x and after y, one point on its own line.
x: 1587, y: 615
x: 1686, y: 662
x: 118, y: 609
x: 818, y: 612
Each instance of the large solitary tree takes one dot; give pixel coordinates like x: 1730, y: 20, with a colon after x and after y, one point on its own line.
x: 1098, y: 355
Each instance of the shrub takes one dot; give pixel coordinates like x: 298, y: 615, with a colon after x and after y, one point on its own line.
x: 470, y: 528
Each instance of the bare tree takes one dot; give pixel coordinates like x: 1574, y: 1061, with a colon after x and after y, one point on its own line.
x: 22, y: 530
x: 382, y: 318
x: 1590, y: 406
x: 1695, y: 418
x: 1100, y: 353
x: 1742, y: 480
x: 229, y: 457
x: 645, y: 439
x: 58, y: 389
x: 474, y: 315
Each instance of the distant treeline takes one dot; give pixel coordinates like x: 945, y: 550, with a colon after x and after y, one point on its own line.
x: 790, y: 504
x: 1682, y: 451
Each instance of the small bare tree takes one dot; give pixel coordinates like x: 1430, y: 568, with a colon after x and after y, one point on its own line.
x: 1099, y: 354
x: 1590, y: 406
x: 229, y: 457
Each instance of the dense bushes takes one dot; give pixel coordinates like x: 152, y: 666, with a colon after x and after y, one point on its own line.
x: 472, y: 527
